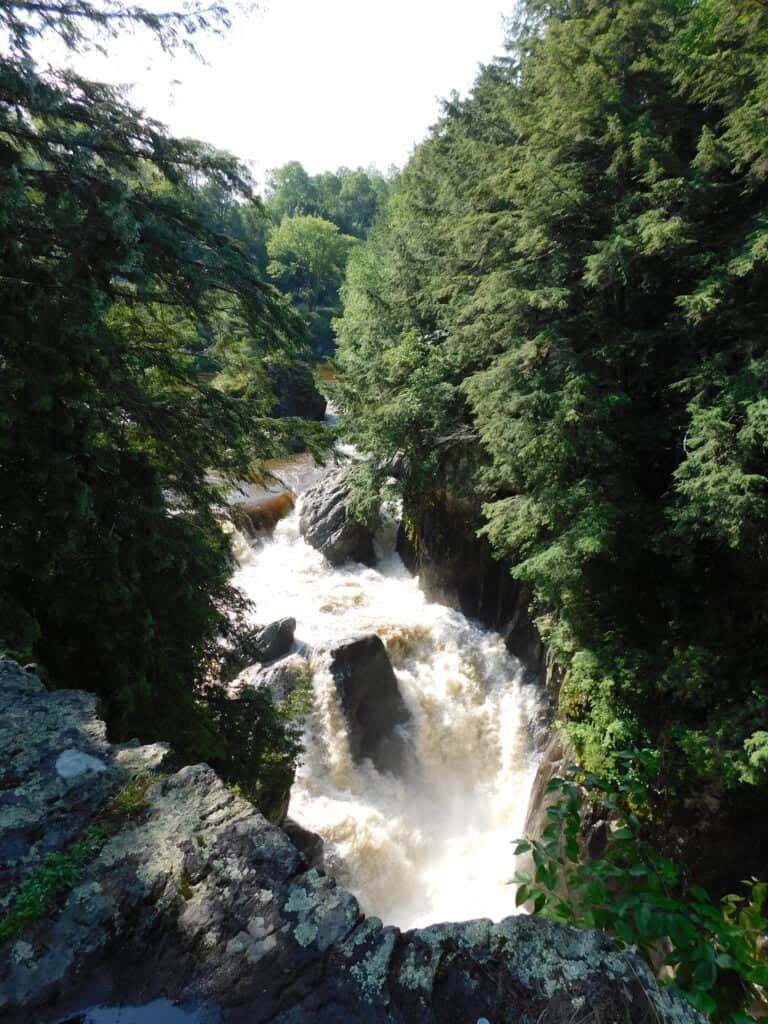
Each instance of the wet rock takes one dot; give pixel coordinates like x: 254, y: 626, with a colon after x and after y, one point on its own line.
x: 198, y: 900
x: 372, y: 704
x: 325, y: 523
x: 275, y: 640
x: 261, y: 515
x: 556, y: 758
x: 308, y: 843
x: 282, y: 678
x: 260, y: 645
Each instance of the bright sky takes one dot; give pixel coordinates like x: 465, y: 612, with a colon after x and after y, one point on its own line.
x: 326, y: 82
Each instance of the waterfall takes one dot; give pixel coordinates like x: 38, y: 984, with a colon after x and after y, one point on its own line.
x: 435, y: 846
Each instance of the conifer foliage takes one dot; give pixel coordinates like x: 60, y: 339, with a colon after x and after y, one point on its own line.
x: 114, y: 291
x: 566, y: 312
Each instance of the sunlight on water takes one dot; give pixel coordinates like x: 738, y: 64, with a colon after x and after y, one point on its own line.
x: 160, y: 1011
x: 435, y: 847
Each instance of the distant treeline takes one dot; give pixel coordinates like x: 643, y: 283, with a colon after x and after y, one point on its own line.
x: 302, y: 236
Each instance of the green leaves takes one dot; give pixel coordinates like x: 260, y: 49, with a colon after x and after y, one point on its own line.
x: 632, y: 892
x: 308, y: 256
x: 133, y: 336
x: 56, y: 875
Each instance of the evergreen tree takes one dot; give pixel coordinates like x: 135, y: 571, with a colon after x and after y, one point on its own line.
x: 564, y: 312
x: 116, y: 290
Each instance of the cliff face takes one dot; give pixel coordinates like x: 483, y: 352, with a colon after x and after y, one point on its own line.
x: 720, y: 833
x: 457, y: 567
x: 185, y: 892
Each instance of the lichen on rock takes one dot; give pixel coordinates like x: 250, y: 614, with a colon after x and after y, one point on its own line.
x: 195, y: 897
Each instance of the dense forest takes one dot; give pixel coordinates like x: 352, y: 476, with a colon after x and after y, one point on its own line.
x: 565, y: 310
x: 562, y: 323
x: 556, y: 316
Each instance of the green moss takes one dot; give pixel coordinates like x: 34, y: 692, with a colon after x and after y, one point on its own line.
x: 59, y: 873
x: 185, y: 887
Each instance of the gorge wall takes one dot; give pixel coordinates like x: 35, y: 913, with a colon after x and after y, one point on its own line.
x: 719, y: 834
x: 457, y: 567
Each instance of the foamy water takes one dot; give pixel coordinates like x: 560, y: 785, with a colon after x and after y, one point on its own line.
x: 437, y: 846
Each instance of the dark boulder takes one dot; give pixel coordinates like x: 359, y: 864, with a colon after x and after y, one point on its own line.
x: 295, y: 391
x: 372, y: 704
x: 275, y: 640
x: 326, y: 525
x: 308, y: 843
x: 262, y: 644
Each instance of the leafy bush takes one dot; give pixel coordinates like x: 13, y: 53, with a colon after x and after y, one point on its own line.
x: 259, y: 743
x: 713, y: 953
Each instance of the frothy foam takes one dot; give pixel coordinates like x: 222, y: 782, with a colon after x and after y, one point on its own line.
x: 434, y: 847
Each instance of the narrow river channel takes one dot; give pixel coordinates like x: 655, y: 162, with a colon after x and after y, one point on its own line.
x: 435, y: 847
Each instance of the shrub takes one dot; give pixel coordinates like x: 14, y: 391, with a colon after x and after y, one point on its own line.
x: 712, y: 953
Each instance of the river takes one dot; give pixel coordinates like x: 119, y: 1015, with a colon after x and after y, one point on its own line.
x: 435, y: 847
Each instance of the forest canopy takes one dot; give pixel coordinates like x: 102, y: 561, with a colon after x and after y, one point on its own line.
x: 315, y: 222
x: 563, y: 319
x: 136, y: 326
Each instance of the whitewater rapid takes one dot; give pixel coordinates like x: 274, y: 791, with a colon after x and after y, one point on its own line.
x: 438, y: 846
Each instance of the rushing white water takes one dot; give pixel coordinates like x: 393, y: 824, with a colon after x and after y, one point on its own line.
x: 435, y: 847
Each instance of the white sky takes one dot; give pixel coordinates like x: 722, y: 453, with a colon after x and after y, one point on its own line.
x: 326, y: 82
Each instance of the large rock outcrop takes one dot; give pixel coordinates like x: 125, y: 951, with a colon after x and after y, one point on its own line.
x: 192, y: 896
x: 325, y: 522
x: 371, y: 701
x: 458, y: 567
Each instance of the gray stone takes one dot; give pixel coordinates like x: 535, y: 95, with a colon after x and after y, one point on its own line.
x: 281, y: 678
x: 275, y: 640
x: 325, y: 522
x: 262, y: 644
x: 41, y: 807
x: 198, y: 900
x: 140, y: 760
x: 373, y: 707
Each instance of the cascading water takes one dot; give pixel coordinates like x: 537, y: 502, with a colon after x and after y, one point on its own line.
x: 434, y: 847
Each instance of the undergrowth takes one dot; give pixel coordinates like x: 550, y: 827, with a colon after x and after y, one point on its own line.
x: 714, y: 954
x: 59, y: 873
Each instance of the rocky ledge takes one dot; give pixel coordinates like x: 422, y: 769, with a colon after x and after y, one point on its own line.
x: 181, y: 890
